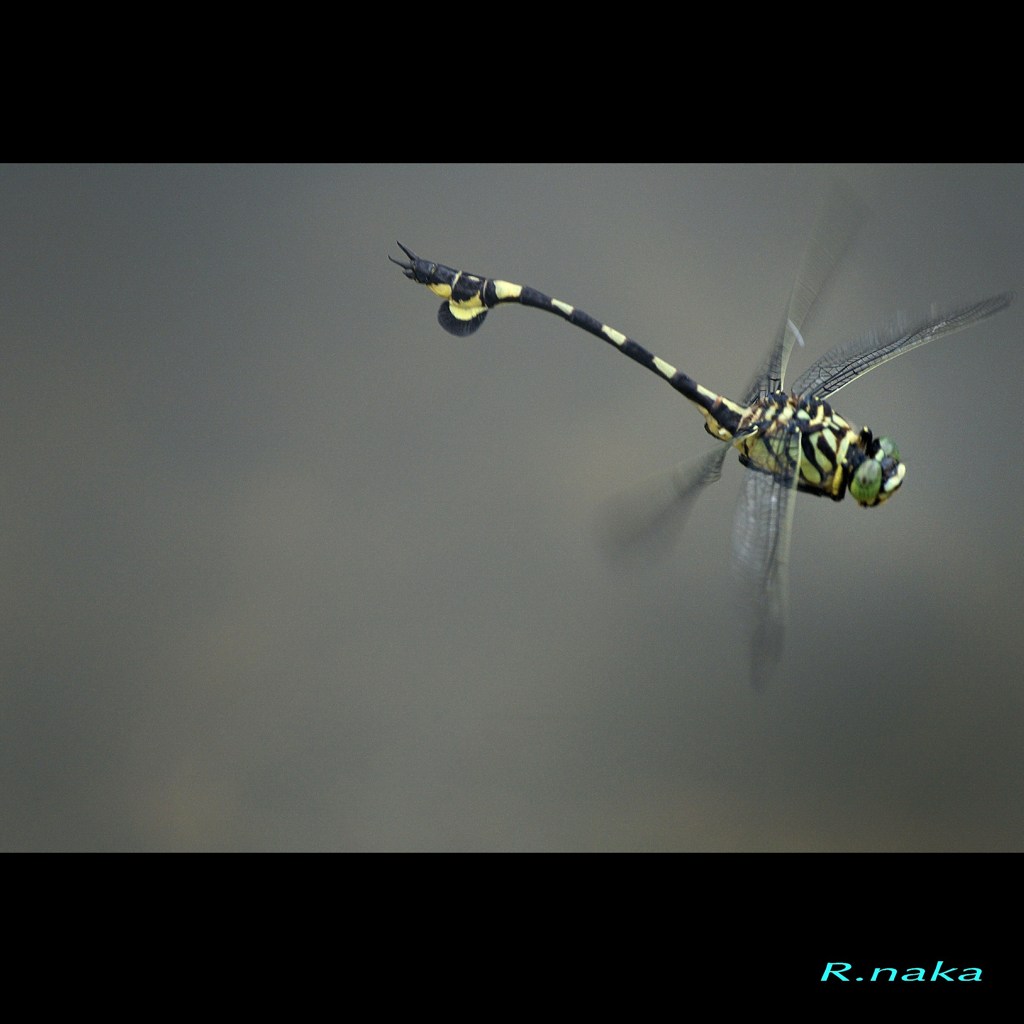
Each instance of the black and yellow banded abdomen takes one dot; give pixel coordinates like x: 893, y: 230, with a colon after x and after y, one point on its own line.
x: 468, y: 297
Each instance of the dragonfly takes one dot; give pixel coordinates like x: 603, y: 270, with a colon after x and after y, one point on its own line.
x: 790, y: 439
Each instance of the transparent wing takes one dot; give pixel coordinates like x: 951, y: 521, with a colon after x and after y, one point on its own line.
x: 843, y: 365
x: 761, y: 537
x: 650, y: 516
x: 836, y: 225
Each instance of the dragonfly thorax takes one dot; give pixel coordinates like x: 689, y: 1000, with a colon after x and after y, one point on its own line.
x: 805, y: 442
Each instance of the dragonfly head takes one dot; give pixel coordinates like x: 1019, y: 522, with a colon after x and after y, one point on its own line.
x: 874, y: 471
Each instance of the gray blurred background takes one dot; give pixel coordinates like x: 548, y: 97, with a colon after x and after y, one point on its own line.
x: 286, y: 567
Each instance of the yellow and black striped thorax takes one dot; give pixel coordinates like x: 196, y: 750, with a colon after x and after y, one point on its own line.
x: 784, y: 435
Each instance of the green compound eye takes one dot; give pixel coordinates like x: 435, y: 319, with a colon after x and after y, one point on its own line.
x: 889, y: 449
x: 866, y: 482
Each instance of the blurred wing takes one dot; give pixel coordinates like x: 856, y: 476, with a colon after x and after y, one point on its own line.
x: 652, y: 514
x: 761, y: 538
x: 837, y: 223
